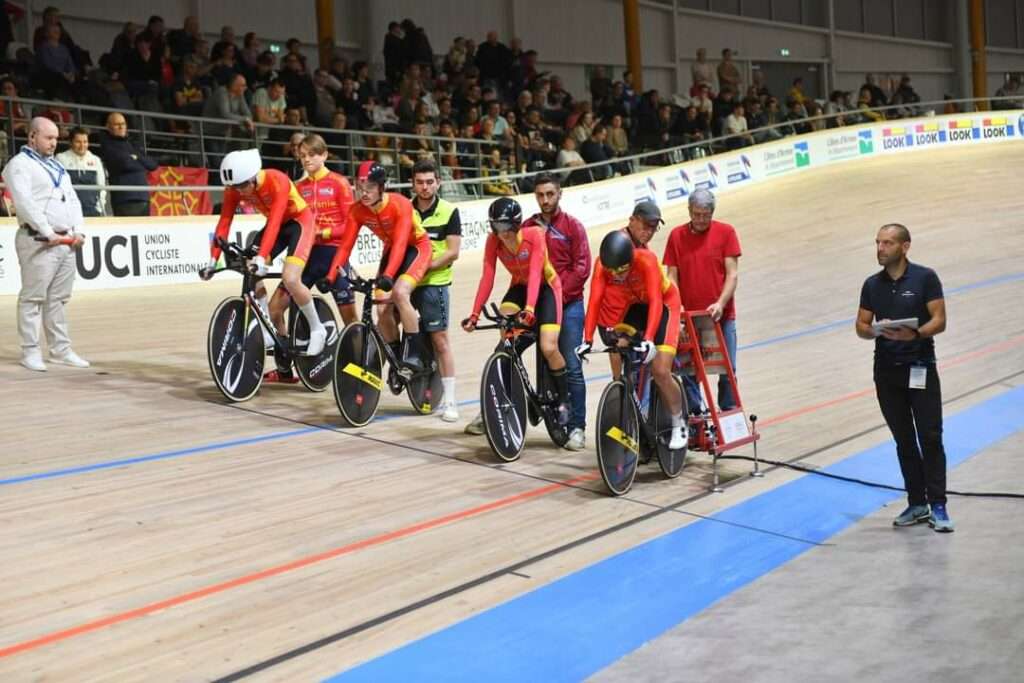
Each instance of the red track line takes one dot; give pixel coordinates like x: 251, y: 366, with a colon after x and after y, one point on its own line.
x: 89, y: 626
x: 380, y: 539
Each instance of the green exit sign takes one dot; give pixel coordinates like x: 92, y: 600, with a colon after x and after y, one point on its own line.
x: 784, y: 51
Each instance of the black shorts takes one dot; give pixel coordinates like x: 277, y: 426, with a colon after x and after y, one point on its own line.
x: 634, y: 324
x: 431, y: 301
x: 547, y: 311
x: 317, y: 269
x: 292, y: 237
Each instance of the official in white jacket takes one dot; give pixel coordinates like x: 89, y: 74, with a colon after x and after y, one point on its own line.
x: 49, y: 214
x: 85, y: 168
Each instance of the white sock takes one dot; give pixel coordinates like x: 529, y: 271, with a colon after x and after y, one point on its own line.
x: 449, y: 390
x: 677, y: 421
x: 309, y: 310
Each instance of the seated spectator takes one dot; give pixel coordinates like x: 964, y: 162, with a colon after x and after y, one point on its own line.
x: 201, y: 56
x: 182, y: 41
x: 298, y: 85
x: 323, y: 100
x: 905, y: 96
x: 383, y: 151
x: 757, y: 120
x: 471, y: 119
x: 339, y: 69
x: 251, y: 50
x: 865, y: 109
x: 834, y: 109
x: 223, y: 65
x: 663, y: 136
x: 596, y: 150
x: 817, y: 120
x: 227, y: 40
x: 618, y: 139
x: 414, y: 149
x: 704, y: 103
x: 126, y: 165
x: 187, y: 95
x: 721, y: 108
x: 797, y: 118
x: 1012, y: 90
x: 876, y: 96
x: 85, y: 168
x: 736, y: 125
x: 228, y: 104
x: 278, y: 143
x: 616, y: 104
x: 500, y: 123
x: 568, y: 158
x: 55, y: 69
x: 292, y: 167
x: 141, y: 69
x: 692, y: 129
x: 760, y: 90
x: 8, y: 88
x: 796, y: 94
x: 339, y: 142
x: 154, y: 33
x: 61, y: 116
x: 773, y: 116
x: 495, y: 172
x: 124, y: 44
x: 488, y: 140
x: 583, y: 128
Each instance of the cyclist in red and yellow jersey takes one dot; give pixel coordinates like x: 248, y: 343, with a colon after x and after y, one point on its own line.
x: 535, y: 294
x: 630, y: 293
x: 405, y: 260
x: 289, y: 226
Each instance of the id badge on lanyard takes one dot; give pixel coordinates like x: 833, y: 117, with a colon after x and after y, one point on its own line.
x: 918, y: 376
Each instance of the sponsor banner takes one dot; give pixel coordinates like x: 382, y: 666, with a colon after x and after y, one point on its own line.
x: 842, y: 145
x: 677, y: 186
x: 175, y: 203
x: 784, y: 158
x: 737, y: 170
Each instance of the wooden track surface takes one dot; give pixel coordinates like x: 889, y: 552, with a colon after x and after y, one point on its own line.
x: 259, y: 528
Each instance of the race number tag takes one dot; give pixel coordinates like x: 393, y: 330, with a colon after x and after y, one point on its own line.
x: 918, y: 376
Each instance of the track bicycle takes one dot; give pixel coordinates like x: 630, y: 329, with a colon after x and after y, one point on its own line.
x: 358, y: 369
x: 507, y: 398
x: 235, y: 344
x: 633, y: 424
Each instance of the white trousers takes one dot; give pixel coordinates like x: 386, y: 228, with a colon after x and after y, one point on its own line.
x: 47, y: 275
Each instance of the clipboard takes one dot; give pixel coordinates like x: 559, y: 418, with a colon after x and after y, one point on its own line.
x: 910, y: 323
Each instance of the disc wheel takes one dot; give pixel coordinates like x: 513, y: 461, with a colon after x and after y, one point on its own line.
x: 503, y: 407
x: 235, y: 350
x: 618, y: 438
x: 671, y: 462
x: 357, y: 375
x: 315, y: 372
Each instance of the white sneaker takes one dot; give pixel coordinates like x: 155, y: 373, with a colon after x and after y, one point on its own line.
x: 577, y: 440
x: 476, y: 425
x: 33, y: 360
x: 450, y: 412
x: 678, y: 439
x: 317, y: 340
x: 71, y: 358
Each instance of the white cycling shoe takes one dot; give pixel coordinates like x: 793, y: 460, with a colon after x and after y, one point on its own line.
x: 317, y: 341
x: 678, y: 439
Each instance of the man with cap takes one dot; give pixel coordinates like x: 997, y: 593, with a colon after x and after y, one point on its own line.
x: 702, y: 258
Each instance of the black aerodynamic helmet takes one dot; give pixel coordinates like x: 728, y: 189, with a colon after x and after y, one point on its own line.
x: 616, y: 251
x: 373, y: 172
x: 505, y: 214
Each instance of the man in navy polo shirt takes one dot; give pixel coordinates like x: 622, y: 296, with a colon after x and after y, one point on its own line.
x: 906, y: 381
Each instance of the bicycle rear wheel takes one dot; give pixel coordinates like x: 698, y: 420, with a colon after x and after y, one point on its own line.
x: 503, y: 407
x: 357, y: 375
x: 315, y: 372
x: 235, y: 350
x: 671, y: 462
x: 618, y: 438
x: 425, y: 389
x: 548, y: 394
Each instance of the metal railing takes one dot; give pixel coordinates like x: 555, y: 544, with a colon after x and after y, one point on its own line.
x: 468, y: 177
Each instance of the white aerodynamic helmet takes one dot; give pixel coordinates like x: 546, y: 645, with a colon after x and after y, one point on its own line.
x: 240, y: 167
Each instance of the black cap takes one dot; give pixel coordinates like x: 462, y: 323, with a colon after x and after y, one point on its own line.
x: 648, y: 211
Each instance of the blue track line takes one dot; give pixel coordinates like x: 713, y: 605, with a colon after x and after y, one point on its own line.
x: 581, y: 623
x: 991, y: 282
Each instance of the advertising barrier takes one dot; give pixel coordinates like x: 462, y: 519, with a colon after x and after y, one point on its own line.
x: 152, y: 251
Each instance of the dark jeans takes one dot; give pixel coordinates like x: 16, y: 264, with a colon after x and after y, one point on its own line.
x: 914, y: 417
x: 569, y: 338
x: 131, y: 209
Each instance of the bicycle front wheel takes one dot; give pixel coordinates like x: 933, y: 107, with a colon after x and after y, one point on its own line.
x: 358, y: 368
x: 315, y: 372
x: 235, y: 350
x: 503, y: 407
x: 618, y: 438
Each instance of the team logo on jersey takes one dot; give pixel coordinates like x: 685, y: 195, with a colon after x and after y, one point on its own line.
x: 326, y: 191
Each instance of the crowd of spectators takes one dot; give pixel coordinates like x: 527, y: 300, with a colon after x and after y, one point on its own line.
x: 522, y: 119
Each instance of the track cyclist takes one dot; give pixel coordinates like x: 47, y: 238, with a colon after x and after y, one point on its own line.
x: 404, y: 262
x: 534, y: 295
x: 289, y: 226
x: 629, y: 293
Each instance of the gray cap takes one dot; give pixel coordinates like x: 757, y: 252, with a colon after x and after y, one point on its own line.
x: 648, y: 211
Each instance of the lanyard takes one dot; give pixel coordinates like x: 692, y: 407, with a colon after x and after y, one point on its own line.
x: 49, y: 165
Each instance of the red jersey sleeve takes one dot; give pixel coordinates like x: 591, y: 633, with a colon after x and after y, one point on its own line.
x: 670, y: 258
x: 279, y: 203
x: 400, y: 234
x: 538, y: 256
x: 483, y: 290
x: 344, y: 201
x: 652, y: 286
x: 594, y: 303
x: 344, y: 249
x: 227, y: 215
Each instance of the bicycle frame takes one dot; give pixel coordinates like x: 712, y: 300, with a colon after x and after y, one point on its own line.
x: 628, y: 372
x: 510, y: 331
x: 236, y: 260
x: 366, y: 287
